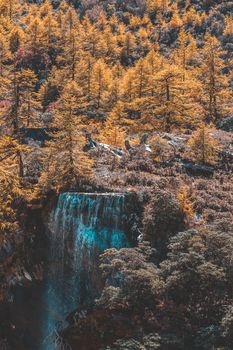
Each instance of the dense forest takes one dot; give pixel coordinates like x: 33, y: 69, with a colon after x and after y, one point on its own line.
x: 127, y: 97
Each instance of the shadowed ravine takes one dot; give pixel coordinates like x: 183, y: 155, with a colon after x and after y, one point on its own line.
x: 80, y: 228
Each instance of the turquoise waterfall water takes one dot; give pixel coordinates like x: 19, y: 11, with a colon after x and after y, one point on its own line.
x: 81, y: 227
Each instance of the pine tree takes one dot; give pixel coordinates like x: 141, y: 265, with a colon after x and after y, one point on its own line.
x: 51, y: 89
x: 228, y: 30
x: 20, y: 109
x: 92, y: 41
x: 69, y: 57
x: 4, y: 54
x: 186, y: 52
x: 29, y: 105
x: 154, y: 63
x: 190, y: 16
x: 159, y: 149
x: 117, y: 76
x: 166, y: 105
x: 141, y: 78
x: 84, y: 69
x: 71, y: 18
x: 45, y: 9
x: 65, y: 163
x: 16, y: 39
x: 184, y: 198
x: 12, y: 193
x: 176, y: 99
x: 72, y: 54
x: 19, y: 91
x: 217, y: 97
x: 127, y: 41
x: 9, y: 150
x: 10, y: 8
x: 34, y: 33
x: 128, y: 86
x: 9, y: 191
x: 113, y: 134
x: 176, y: 21
x: 112, y: 51
x: 185, y: 57
x: 157, y: 6
x: 51, y: 33
x: 101, y: 81
x: 203, y: 146
x: 143, y: 40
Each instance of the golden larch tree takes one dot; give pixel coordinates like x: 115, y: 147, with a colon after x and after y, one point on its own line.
x: 217, y: 98
x: 203, y: 146
x: 65, y: 162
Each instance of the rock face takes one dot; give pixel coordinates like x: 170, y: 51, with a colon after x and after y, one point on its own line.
x: 40, y: 135
x: 75, y: 229
x: 198, y: 169
x: 81, y: 227
x: 226, y: 124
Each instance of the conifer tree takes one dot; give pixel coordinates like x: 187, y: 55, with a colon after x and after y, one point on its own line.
x: 143, y: 40
x: 157, y: 6
x: 4, y: 54
x: 113, y: 134
x: 111, y: 48
x: 100, y: 85
x: 203, y: 146
x: 51, y: 34
x: 71, y: 18
x: 84, y: 75
x: 217, y: 97
x: 128, y: 86
x: 128, y: 46
x: 154, y: 63
x: 34, y: 33
x: 9, y: 191
x: 12, y: 193
x: 167, y: 101
x: 92, y: 40
x: 21, y: 104
x: 159, y: 149
x: 45, y: 9
x: 186, y: 52
x: 10, y: 8
x: 141, y: 78
x: 116, y: 88
x: 71, y: 55
x: 184, y: 198
x: 51, y: 89
x: 9, y: 150
x: 176, y: 21
x: 176, y: 101
x: 65, y: 163
x: 15, y: 40
x: 19, y: 91
x: 228, y: 30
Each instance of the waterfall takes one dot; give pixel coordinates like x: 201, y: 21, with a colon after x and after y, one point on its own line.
x: 81, y: 227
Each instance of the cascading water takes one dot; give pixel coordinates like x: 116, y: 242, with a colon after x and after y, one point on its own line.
x: 81, y: 227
